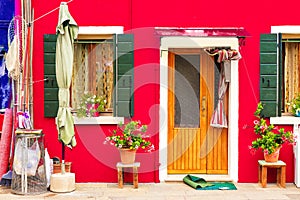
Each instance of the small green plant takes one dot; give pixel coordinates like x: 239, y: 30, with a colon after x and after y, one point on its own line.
x: 269, y: 136
x: 90, y: 105
x: 131, y: 136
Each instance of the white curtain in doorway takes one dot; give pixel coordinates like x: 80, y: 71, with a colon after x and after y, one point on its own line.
x: 218, y: 119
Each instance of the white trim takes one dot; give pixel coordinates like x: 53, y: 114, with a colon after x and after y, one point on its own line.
x: 99, y: 30
x: 86, y: 30
x: 287, y: 120
x: 233, y: 119
x: 290, y: 120
x: 98, y: 120
x: 295, y: 121
x: 285, y: 29
x: 199, y: 42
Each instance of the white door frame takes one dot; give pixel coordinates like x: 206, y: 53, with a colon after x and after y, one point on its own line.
x: 199, y: 42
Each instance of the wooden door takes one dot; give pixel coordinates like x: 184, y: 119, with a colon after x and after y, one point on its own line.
x: 194, y: 146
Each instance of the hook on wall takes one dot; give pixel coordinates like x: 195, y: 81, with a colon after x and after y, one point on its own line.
x: 242, y: 41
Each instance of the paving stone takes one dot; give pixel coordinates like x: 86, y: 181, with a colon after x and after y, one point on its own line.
x: 162, y: 191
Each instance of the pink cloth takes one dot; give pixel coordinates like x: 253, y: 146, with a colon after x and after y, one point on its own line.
x: 5, y: 141
x: 224, y: 54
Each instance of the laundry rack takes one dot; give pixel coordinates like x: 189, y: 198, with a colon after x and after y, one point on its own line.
x: 29, y: 173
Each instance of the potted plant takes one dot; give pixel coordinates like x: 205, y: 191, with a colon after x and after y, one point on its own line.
x: 270, y: 138
x: 295, y: 105
x: 90, y: 105
x: 128, y: 138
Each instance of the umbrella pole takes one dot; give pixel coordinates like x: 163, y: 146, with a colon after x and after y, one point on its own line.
x: 63, y: 170
x: 62, y: 182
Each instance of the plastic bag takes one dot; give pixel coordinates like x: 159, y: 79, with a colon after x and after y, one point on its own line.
x: 32, y: 161
x: 2, y: 68
x: 47, y: 166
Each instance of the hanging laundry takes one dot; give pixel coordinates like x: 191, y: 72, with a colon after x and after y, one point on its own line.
x: 5, y: 85
x: 2, y: 68
x: 12, y: 59
x: 224, y: 56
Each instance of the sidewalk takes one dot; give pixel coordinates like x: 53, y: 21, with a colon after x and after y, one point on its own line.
x: 162, y: 191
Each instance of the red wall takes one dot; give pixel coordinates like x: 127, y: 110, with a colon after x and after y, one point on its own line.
x: 93, y: 161
x: 1, y: 121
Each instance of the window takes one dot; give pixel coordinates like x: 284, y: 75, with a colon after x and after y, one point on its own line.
x: 187, y: 113
x: 93, y: 71
x: 104, y: 67
x: 279, y: 71
x: 291, y: 69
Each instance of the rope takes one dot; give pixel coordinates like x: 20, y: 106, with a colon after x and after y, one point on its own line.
x: 48, y: 13
x: 248, y: 76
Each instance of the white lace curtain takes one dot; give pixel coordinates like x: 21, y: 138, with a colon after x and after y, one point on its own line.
x: 291, y: 72
x: 93, y: 71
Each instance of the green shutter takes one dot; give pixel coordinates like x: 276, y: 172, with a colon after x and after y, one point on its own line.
x: 270, y: 74
x: 50, y: 85
x: 123, y: 68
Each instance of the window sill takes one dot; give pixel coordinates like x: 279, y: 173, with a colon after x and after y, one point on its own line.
x: 287, y: 120
x: 98, y: 120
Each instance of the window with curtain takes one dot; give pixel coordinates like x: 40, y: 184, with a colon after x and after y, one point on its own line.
x: 93, y: 71
x: 279, y: 72
x: 291, y: 52
x: 103, y: 65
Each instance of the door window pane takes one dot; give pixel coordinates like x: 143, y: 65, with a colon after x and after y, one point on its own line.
x: 187, y: 92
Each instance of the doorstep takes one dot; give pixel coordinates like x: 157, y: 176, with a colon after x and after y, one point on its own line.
x: 179, y: 177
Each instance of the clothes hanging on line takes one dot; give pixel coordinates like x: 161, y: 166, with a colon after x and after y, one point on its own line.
x: 5, y: 86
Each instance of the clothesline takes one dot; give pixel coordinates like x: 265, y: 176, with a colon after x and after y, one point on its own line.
x: 49, y: 12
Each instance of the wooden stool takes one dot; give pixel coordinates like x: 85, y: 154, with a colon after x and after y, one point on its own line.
x: 262, y: 172
x: 134, y: 166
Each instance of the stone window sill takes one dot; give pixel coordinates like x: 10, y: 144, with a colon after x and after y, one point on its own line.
x: 98, y: 120
x: 285, y: 120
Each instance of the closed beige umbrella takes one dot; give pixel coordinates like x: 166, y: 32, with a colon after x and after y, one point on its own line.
x: 67, y: 31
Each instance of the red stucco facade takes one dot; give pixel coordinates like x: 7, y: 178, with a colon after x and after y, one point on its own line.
x: 92, y: 161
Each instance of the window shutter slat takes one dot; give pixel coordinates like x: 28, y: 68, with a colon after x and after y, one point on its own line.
x: 270, y: 82
x: 123, y: 66
x: 50, y: 85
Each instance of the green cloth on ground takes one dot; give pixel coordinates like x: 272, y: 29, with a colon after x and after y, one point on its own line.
x: 220, y: 186
x: 196, y: 182
x: 201, y: 184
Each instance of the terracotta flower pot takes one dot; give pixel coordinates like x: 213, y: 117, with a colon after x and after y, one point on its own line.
x: 127, y: 156
x: 57, y: 167
x: 273, y: 157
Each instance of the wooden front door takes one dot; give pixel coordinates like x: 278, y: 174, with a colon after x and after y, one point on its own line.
x: 193, y: 145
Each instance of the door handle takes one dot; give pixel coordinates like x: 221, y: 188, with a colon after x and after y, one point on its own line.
x: 203, y: 108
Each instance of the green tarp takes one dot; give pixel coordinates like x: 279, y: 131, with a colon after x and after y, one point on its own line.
x: 196, y: 182
x: 201, y: 184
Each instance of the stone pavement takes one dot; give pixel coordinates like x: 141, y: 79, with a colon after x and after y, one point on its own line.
x: 162, y: 191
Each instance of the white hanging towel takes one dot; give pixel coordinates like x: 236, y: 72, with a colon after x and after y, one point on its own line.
x: 12, y: 60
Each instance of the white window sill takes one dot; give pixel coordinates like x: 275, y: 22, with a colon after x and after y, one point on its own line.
x: 286, y: 120
x: 98, y: 120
